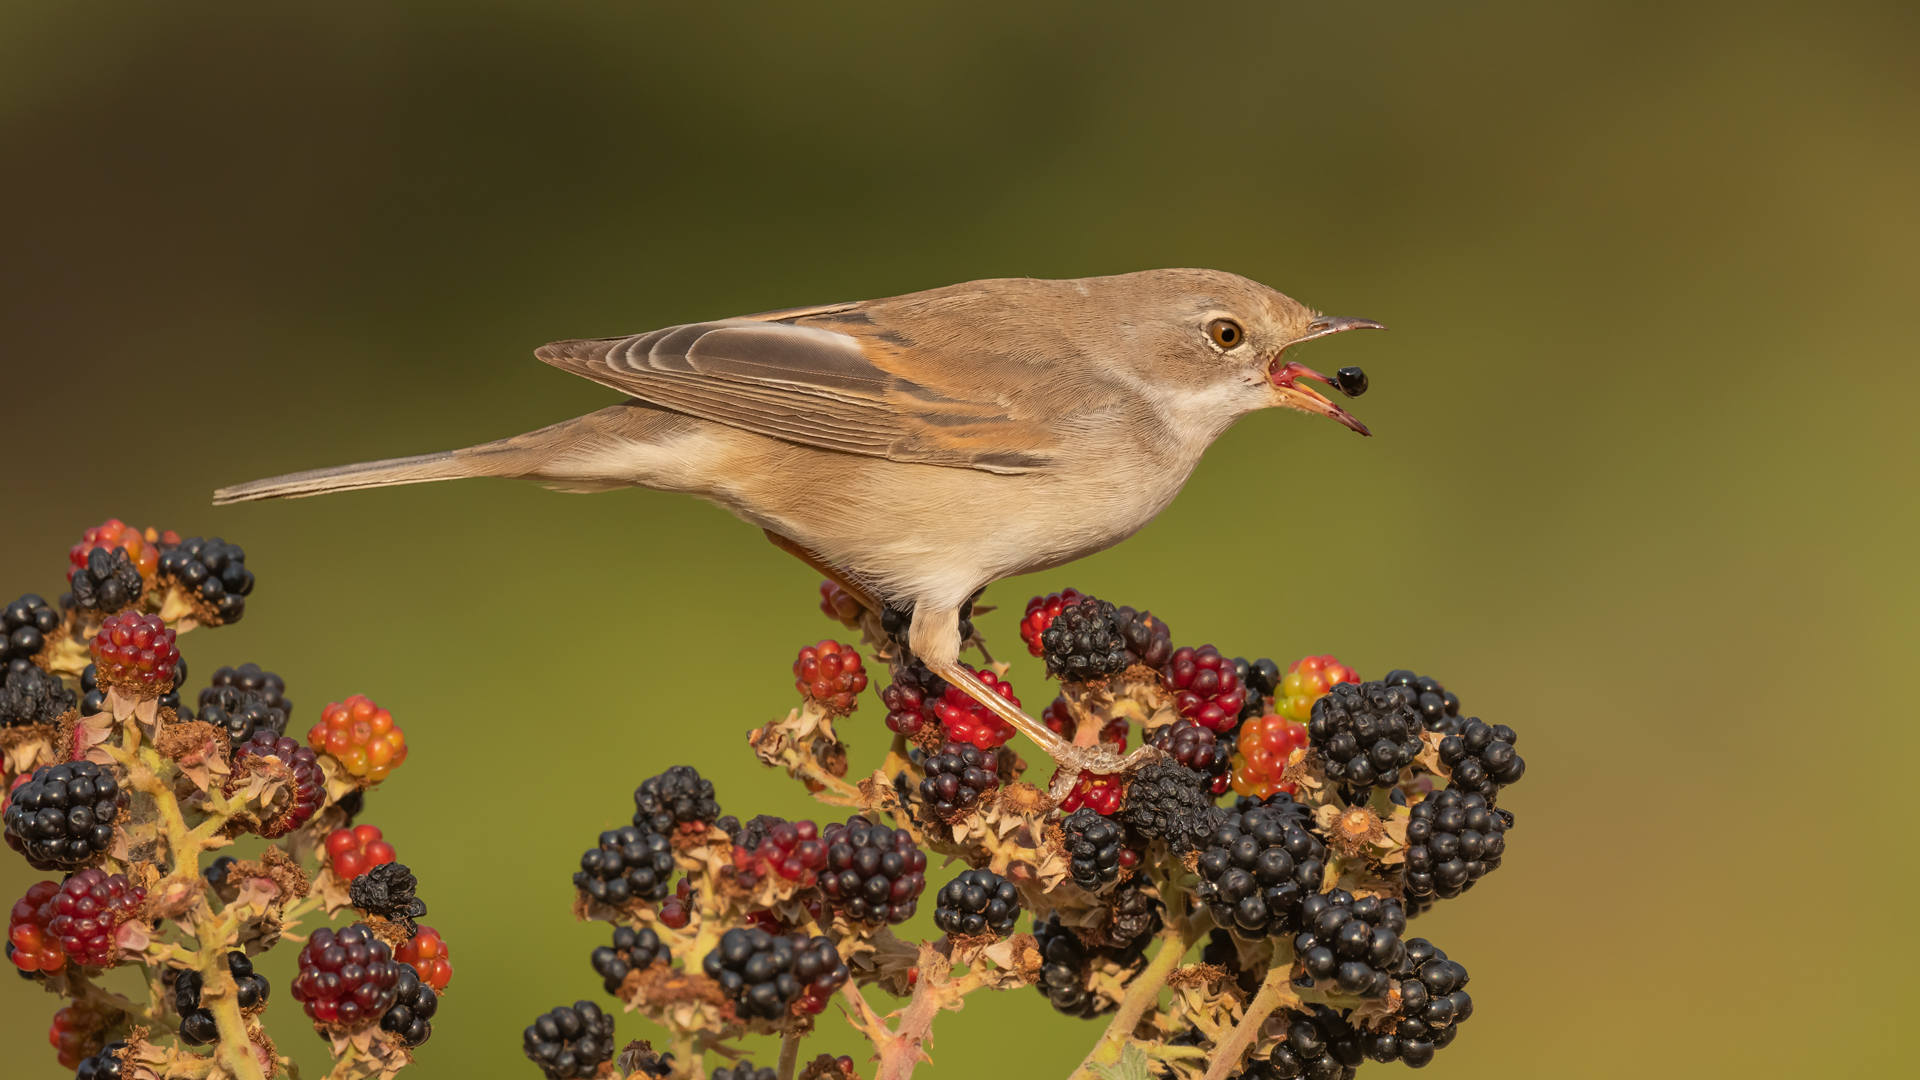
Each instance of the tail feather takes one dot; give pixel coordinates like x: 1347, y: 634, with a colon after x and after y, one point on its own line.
x: 445, y: 465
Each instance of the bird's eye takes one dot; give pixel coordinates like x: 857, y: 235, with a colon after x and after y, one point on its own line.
x: 1225, y: 333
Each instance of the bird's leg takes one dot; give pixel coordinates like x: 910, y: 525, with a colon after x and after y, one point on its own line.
x: 935, y: 639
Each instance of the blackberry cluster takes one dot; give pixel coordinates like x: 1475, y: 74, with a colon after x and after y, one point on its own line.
x: 1067, y: 963
x: 29, y: 695
x: 1320, y: 1045
x: 1439, y: 710
x: 1481, y: 758
x: 632, y: 950
x: 1149, y: 642
x: 1453, y: 840
x: 105, y: 1065
x: 347, y: 977
x: 1433, y: 1003
x: 1196, y: 748
x: 629, y: 864
x: 213, y: 570
x: 87, y: 912
x: 196, y: 1024
x: 958, y: 777
x: 744, y: 1069
x: 1261, y: 677
x: 109, y: 582
x: 1167, y: 801
x: 244, y: 700
x: 977, y: 902
x: 1365, y: 733
x: 755, y: 832
x: 1083, y: 642
x: 387, y: 890
x: 1205, y: 687
x: 410, y: 1016
x: 62, y: 819
x: 1260, y: 865
x: 265, y: 750
x: 570, y: 1042
x: 911, y: 697
x: 1355, y: 943
x: 24, y: 627
x: 1094, y: 847
x: 675, y: 797
x: 874, y: 874
x: 765, y: 973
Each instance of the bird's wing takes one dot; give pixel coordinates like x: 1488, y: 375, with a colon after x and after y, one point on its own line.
x: 826, y: 377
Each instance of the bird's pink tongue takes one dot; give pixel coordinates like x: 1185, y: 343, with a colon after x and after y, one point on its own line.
x: 1287, y: 375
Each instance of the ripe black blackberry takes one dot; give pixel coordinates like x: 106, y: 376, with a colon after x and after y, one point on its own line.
x: 1083, y: 642
x: 675, y: 797
x: 196, y: 1024
x: 244, y: 700
x: 1197, y: 748
x: 1094, y: 844
x: 1148, y: 640
x: 213, y: 570
x: 62, y: 819
x: 1066, y: 968
x: 216, y: 872
x: 105, y: 1065
x: 957, y: 777
x: 1319, y: 1045
x: 631, y: 950
x: 1453, y: 840
x: 1352, y: 942
x: 1133, y: 918
x: 630, y: 864
x: 1439, y: 710
x: 410, y: 1017
x: 387, y: 890
x: 874, y: 874
x: 570, y: 1042
x: 1168, y: 801
x: 975, y: 903
x: 29, y: 695
x: 107, y: 584
x: 1481, y: 757
x: 1262, y: 679
x: 24, y: 627
x: 1259, y: 867
x: 755, y: 831
x: 1365, y: 734
x: 1433, y: 1003
x: 898, y: 623
x: 744, y: 1070
x: 765, y: 973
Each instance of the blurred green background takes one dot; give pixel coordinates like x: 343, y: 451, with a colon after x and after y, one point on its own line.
x: 1643, y: 486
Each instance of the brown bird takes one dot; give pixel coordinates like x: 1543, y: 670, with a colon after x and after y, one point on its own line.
x: 967, y: 434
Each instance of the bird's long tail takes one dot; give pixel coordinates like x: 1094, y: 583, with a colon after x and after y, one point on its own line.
x: 445, y: 465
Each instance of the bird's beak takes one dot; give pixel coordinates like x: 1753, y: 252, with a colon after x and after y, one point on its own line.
x: 1286, y: 373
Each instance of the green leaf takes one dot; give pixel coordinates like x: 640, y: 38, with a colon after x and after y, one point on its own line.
x: 1133, y: 1066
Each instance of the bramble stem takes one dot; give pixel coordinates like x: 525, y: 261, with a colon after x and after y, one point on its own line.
x: 1274, y: 990
x: 789, y: 1053
x: 220, y: 996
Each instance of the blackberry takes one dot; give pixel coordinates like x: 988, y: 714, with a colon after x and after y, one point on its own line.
x: 975, y: 903
x: 1319, y: 1044
x: 1196, y: 748
x: 104, y: 1065
x: 1481, y: 758
x: 426, y: 953
x: 1439, y: 710
x: 744, y: 1070
x: 303, y: 796
x: 1220, y: 951
x: 1453, y: 840
x: 1168, y: 801
x: 958, y: 777
x: 569, y: 1042
x: 766, y: 973
x: 196, y: 1024
x: 1259, y: 866
x: 1067, y: 966
x: 675, y: 797
x: 1133, y: 918
x: 1094, y: 846
x: 632, y: 950
x: 1205, y: 687
x: 755, y: 832
x: 792, y: 849
x: 108, y: 583
x: 87, y: 912
x: 29, y: 695
x: 24, y: 627
x: 62, y: 819
x: 410, y: 1017
x: 1433, y: 1003
x: 1149, y: 641
x: 136, y: 652
x: 830, y: 674
x: 216, y: 873
x: 1261, y: 677
x: 629, y: 864
x: 874, y: 874
x: 1350, y: 381
x: 244, y: 700
x: 911, y: 697
x: 213, y: 570
x: 1355, y: 943
x: 387, y: 891
x: 1082, y: 642
x: 1365, y: 733
x: 898, y: 623
x: 347, y: 977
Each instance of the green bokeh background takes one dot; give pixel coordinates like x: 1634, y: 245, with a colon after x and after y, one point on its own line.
x: 1643, y: 485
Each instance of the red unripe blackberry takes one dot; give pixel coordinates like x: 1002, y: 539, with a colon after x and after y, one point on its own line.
x: 1307, y: 680
x: 792, y: 849
x: 1354, y: 943
x: 1319, y: 1045
x: 244, y: 700
x: 1196, y: 748
x: 1149, y: 640
x: 1083, y: 642
x: 1453, y: 840
x: 1259, y: 866
x: 75, y: 1035
x: 303, y: 793
x: 676, y: 911
x: 910, y: 700
x: 1366, y: 734
x: 874, y: 874
x: 1263, y: 746
x: 957, y: 777
x: 212, y: 570
x: 29, y: 695
x: 839, y: 604
x: 968, y: 721
x: 61, y: 818
x: 1166, y: 801
x: 1099, y: 792
x: 1205, y: 687
x: 570, y: 1042
x: 766, y: 974
x: 25, y: 626
x: 1433, y: 1003
x: 355, y: 851
x: 675, y: 797
x: 30, y: 945
x: 1041, y: 611
x: 88, y: 910
x: 347, y: 978
x: 1481, y: 757
x: 135, y: 652
x: 1439, y: 710
x: 975, y: 903
x: 630, y: 863
x: 361, y: 736
x: 107, y: 581
x: 142, y: 547
x: 1095, y: 846
x: 426, y: 953
x: 1058, y: 718
x: 824, y: 1067
x: 631, y: 950
x: 830, y: 674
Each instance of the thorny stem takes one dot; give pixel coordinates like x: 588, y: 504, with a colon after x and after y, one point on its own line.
x: 220, y: 996
x: 1274, y: 990
x: 789, y: 1052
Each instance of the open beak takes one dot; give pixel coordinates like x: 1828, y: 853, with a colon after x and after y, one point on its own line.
x: 1285, y: 374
